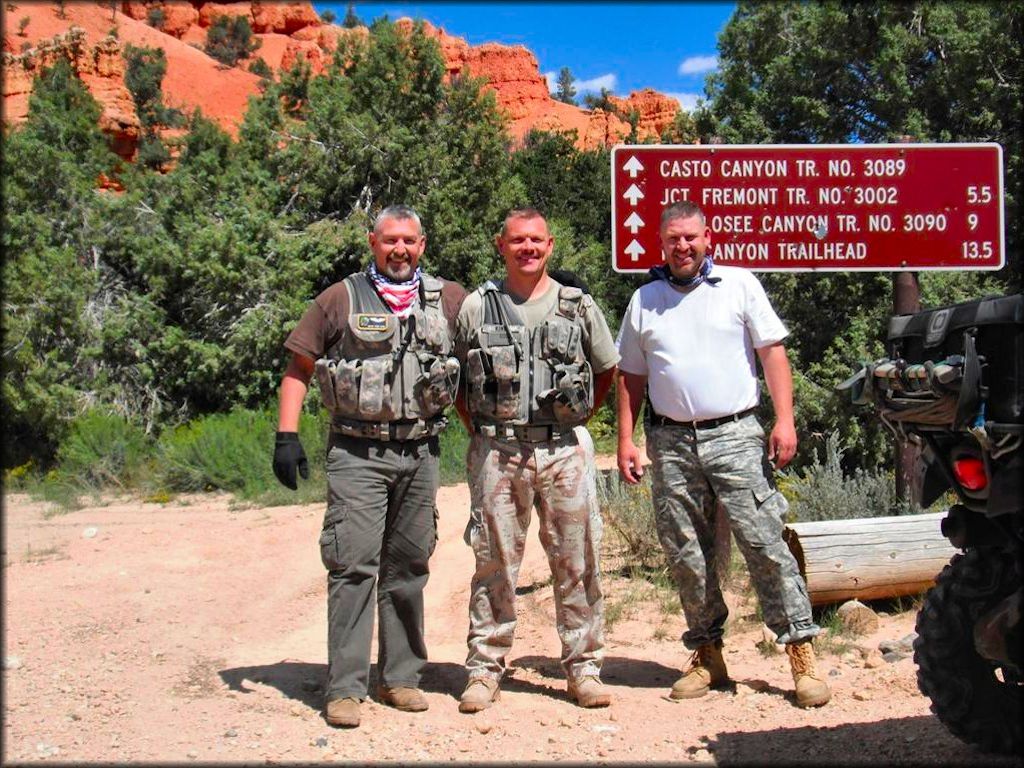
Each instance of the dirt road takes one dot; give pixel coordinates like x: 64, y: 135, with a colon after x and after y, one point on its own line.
x: 195, y: 630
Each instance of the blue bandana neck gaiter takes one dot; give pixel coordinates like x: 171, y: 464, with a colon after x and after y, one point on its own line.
x: 663, y: 272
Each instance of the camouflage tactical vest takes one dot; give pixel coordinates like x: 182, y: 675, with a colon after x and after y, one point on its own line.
x: 385, y: 368
x: 520, y: 377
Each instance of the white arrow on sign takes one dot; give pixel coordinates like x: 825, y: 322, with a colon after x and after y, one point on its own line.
x: 633, y: 223
x: 633, y: 194
x: 633, y: 166
x: 634, y: 250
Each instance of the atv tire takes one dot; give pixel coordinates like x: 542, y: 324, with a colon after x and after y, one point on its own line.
x: 969, y: 699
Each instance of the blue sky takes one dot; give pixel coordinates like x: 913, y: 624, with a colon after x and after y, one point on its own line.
x: 670, y: 47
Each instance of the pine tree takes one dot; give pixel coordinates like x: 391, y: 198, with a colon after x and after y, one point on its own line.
x: 565, y: 90
x: 352, y: 19
x: 230, y: 39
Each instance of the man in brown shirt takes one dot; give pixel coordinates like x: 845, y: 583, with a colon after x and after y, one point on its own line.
x: 380, y: 343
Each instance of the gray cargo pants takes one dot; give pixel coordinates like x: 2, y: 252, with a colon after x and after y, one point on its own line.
x: 690, y: 469
x: 379, y: 531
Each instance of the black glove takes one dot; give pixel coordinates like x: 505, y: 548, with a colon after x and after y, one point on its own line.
x: 288, y: 455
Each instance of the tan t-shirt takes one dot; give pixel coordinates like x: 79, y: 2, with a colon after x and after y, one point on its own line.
x: 598, y: 344
x: 321, y: 325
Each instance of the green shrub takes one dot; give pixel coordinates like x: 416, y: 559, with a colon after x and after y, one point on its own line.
x: 602, y: 429
x: 153, y: 153
x: 628, y: 511
x: 822, y: 492
x: 233, y: 452
x: 156, y: 17
x: 454, y: 444
x: 104, y: 450
x: 261, y: 68
x: 229, y: 39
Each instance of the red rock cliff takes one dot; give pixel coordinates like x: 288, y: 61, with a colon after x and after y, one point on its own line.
x: 287, y: 31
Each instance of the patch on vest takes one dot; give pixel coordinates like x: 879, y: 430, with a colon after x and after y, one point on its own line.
x: 372, y: 322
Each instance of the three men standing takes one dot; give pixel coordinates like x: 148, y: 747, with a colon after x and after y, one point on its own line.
x: 379, y: 342
x: 689, y: 338
x: 537, y: 357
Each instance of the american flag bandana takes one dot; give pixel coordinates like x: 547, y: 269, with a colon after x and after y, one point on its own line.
x: 400, y: 297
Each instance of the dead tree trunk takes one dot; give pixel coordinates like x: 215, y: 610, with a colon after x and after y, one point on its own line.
x: 869, y: 558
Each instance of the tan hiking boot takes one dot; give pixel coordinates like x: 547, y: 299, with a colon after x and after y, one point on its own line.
x: 811, y: 688
x: 404, y: 699
x: 589, y: 692
x: 343, y: 712
x: 480, y: 693
x: 706, y: 671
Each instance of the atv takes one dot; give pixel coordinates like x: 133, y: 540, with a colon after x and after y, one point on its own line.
x: 953, y: 383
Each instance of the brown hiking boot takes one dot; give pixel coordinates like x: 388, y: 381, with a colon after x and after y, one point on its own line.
x: 589, y: 692
x: 404, y: 699
x: 480, y: 693
x: 811, y: 688
x: 706, y: 671
x: 343, y: 713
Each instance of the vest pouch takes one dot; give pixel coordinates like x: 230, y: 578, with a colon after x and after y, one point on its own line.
x: 324, y: 369
x: 438, y: 385
x: 493, y: 376
x: 435, y: 333
x: 574, y: 396
x: 375, y: 389
x: 476, y: 376
x: 506, y: 373
x: 569, y: 301
x: 561, y: 341
x: 345, y: 374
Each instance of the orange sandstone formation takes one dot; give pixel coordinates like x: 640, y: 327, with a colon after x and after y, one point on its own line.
x: 287, y: 31
x: 656, y: 111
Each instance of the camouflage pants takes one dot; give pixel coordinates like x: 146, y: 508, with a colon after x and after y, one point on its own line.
x: 690, y: 470
x: 507, y: 479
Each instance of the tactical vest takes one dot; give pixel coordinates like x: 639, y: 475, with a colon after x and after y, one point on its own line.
x: 519, y: 377
x: 388, y: 369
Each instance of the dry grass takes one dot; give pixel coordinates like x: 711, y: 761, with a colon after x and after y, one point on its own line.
x: 43, y: 554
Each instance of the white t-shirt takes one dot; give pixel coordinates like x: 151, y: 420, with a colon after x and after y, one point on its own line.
x: 696, y: 348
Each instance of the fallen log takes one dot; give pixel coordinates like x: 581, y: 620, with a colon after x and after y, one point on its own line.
x: 869, y: 558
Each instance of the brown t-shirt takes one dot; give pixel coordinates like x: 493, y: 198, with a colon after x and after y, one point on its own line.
x: 321, y: 325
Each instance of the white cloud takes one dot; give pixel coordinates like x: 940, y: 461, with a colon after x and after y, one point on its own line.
x: 694, y: 65
x: 688, y: 101
x: 595, y: 84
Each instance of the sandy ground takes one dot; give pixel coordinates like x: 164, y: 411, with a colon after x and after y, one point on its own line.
x: 195, y: 631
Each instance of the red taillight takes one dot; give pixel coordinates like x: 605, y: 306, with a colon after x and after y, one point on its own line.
x: 970, y: 473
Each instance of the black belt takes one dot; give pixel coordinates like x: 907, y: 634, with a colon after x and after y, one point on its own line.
x: 664, y: 421
x: 394, y: 430
x: 525, y: 433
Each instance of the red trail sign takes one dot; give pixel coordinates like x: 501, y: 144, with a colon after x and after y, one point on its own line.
x: 841, y: 207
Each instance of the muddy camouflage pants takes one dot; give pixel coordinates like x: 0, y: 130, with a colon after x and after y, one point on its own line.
x: 690, y: 469
x: 507, y: 479
x: 379, y: 531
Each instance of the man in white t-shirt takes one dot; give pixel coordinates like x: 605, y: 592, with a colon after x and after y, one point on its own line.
x: 690, y: 338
